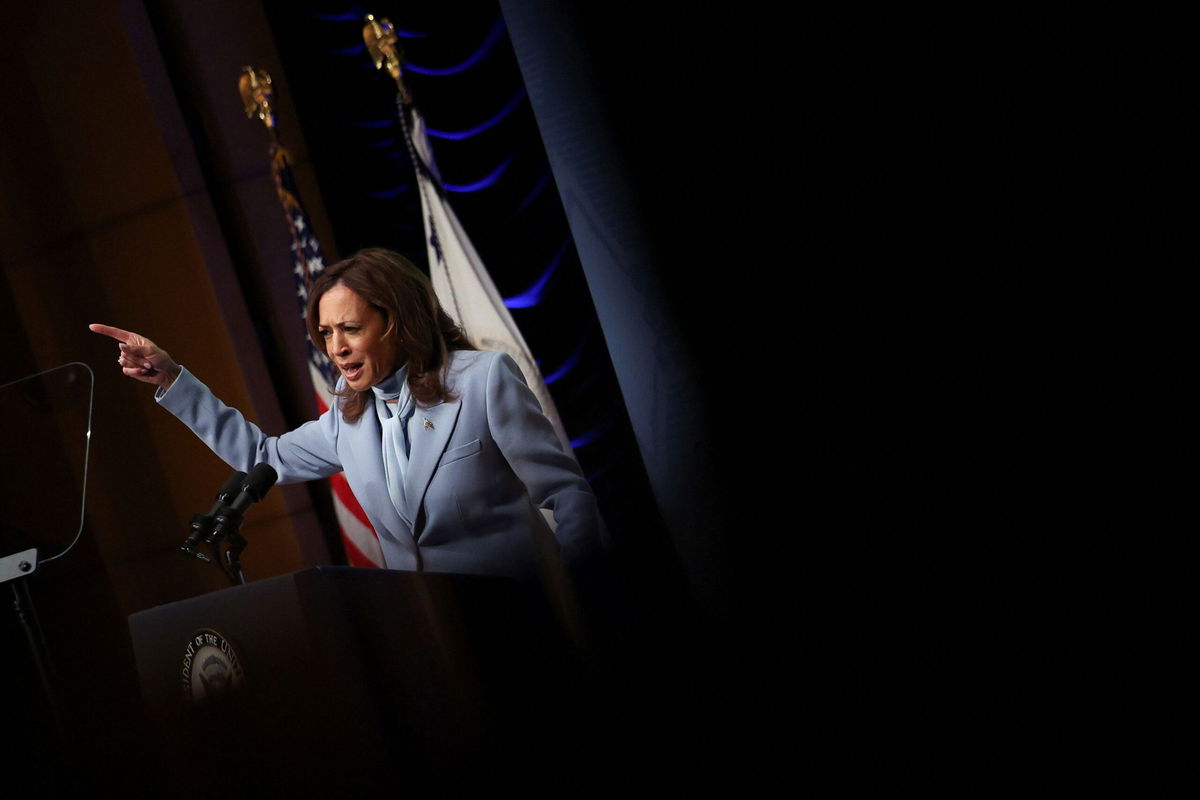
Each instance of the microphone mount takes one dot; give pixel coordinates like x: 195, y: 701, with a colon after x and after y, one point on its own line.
x: 221, y: 526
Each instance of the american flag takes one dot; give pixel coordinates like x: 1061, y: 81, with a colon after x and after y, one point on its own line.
x: 358, y: 537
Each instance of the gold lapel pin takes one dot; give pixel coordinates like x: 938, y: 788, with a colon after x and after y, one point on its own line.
x: 428, y: 424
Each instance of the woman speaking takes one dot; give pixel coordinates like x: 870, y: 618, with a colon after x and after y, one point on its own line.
x: 445, y: 446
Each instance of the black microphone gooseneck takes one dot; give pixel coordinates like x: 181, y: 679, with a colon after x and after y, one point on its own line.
x: 222, y: 523
x: 228, y: 521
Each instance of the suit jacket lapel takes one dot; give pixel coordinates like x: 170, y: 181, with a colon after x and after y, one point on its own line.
x: 429, y: 439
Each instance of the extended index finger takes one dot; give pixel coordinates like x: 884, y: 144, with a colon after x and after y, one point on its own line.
x: 119, y: 334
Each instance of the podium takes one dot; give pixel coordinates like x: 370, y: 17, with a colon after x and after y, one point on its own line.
x: 354, y: 679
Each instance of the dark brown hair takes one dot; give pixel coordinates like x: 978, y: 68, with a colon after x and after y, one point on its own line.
x: 423, y: 333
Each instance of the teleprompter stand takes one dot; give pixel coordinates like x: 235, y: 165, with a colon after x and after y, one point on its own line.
x: 46, y: 418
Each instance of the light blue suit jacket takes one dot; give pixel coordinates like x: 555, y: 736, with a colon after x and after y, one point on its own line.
x: 480, y: 466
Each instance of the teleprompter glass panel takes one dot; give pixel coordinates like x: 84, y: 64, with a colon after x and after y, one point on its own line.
x: 45, y: 438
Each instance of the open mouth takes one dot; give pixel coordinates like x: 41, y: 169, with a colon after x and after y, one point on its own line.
x: 352, y: 371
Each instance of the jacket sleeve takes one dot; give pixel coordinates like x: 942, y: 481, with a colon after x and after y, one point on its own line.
x: 531, y: 447
x: 306, y: 453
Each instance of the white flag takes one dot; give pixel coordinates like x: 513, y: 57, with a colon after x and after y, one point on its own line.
x: 462, y: 283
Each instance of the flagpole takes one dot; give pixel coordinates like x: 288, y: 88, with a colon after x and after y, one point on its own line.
x: 459, y: 278
x: 359, y: 539
x: 482, y: 304
x: 384, y: 46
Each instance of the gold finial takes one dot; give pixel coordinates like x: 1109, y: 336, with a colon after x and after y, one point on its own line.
x: 381, y: 41
x: 257, y: 96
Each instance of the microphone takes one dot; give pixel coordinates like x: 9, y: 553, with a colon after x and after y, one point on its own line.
x: 201, y: 523
x: 261, y: 478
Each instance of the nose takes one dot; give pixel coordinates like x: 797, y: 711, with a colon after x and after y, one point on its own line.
x: 337, y: 344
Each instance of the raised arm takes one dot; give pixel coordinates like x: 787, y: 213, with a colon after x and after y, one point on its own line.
x: 306, y: 453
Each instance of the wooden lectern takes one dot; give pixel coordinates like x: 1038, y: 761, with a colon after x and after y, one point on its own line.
x: 346, y: 678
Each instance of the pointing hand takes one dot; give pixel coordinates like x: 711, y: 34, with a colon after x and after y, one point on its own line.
x: 140, y: 358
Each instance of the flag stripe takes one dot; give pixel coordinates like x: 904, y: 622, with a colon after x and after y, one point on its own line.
x: 342, y: 489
